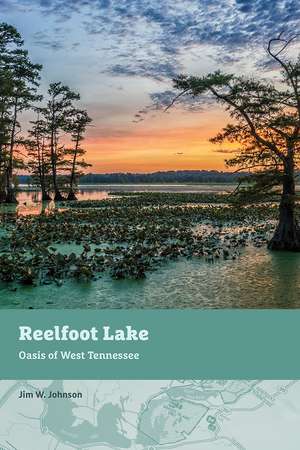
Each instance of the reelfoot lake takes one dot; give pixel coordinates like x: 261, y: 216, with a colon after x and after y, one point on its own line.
x: 143, y: 246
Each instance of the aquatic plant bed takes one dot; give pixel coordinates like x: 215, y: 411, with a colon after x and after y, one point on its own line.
x: 126, y: 237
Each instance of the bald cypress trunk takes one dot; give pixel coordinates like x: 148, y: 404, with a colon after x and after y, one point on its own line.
x: 41, y: 171
x: 72, y: 195
x: 2, y: 176
x: 10, y: 190
x: 57, y: 194
x: 287, y: 233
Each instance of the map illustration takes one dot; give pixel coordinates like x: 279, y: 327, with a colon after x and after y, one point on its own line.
x: 150, y: 415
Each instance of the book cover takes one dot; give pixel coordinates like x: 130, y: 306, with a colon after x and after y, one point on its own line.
x: 149, y: 224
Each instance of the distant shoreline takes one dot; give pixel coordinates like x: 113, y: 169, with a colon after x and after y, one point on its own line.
x: 86, y: 185
x: 181, y: 177
x: 106, y: 188
x: 131, y: 187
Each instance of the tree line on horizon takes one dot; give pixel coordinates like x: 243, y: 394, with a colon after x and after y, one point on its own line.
x: 168, y: 176
x: 51, y: 149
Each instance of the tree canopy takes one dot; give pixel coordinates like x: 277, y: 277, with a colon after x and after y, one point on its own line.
x: 266, y: 126
x: 47, y: 156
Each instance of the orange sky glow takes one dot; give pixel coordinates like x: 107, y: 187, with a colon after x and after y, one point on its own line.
x: 161, y: 145
x: 122, y: 58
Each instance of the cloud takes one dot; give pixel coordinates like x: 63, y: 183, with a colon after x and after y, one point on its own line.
x: 44, y: 40
x: 151, y: 69
x: 170, y: 28
x: 164, y: 99
x: 161, y: 101
x: 152, y: 38
x: 5, y: 5
x: 54, y: 41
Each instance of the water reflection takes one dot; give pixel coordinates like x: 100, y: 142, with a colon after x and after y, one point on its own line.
x: 82, y: 194
x: 29, y: 207
x: 30, y: 202
x: 285, y: 270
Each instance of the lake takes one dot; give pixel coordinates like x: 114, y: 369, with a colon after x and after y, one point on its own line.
x: 258, y: 278
x: 30, y: 200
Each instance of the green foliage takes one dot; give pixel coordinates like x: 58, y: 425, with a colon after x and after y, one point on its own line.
x: 19, y: 82
x: 265, y: 117
x: 47, y: 157
x: 77, y: 123
x: 266, y: 126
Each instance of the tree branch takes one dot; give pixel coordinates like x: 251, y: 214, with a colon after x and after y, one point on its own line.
x: 185, y: 91
x: 260, y: 140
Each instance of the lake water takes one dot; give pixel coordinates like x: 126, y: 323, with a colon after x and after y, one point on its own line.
x: 257, y: 279
x: 30, y: 201
x: 92, y: 189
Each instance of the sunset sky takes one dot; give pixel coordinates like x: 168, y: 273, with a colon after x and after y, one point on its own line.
x: 121, y: 56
